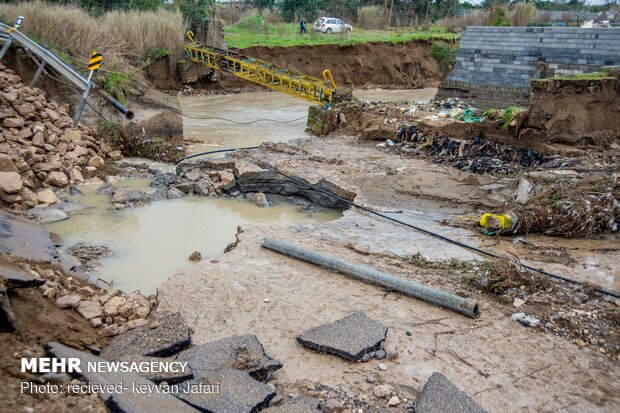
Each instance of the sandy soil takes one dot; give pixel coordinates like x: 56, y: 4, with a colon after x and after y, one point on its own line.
x: 503, y: 365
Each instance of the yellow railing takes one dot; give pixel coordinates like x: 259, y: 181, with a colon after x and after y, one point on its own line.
x: 263, y: 73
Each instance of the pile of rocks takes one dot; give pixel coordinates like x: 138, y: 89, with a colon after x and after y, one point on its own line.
x: 39, y: 146
x: 111, y: 313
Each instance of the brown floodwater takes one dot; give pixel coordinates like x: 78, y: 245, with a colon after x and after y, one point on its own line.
x: 153, y: 241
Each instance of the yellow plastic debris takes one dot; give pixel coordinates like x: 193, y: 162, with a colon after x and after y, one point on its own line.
x: 495, y: 221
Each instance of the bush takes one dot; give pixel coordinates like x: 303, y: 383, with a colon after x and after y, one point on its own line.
x: 254, y: 23
x: 123, y: 37
x: 499, y: 18
x: 371, y: 17
x: 456, y: 24
x: 444, y: 54
x: 524, y: 14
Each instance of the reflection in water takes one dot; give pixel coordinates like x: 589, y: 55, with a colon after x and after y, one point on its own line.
x: 242, y: 107
x: 153, y: 241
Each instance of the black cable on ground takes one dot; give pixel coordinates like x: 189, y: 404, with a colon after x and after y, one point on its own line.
x: 422, y: 230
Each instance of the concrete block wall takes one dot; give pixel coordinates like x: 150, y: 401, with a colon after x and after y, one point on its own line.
x: 509, y: 57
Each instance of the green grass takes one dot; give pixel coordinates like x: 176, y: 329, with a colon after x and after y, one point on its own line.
x: 604, y: 74
x: 509, y: 114
x: 288, y: 35
x: 118, y: 84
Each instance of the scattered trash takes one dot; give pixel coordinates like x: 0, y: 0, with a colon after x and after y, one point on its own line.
x: 526, y: 320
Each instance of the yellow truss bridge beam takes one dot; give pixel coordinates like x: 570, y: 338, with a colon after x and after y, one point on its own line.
x: 315, y: 90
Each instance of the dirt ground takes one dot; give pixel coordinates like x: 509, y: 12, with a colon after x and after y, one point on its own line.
x: 41, y: 321
x: 502, y: 364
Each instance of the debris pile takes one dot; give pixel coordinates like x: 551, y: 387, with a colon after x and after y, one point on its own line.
x: 111, y: 313
x: 39, y: 146
x: 565, y: 209
x: 477, y: 155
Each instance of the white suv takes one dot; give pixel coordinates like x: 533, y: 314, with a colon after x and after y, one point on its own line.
x: 329, y: 25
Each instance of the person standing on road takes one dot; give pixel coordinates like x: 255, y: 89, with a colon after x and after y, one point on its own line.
x: 302, y: 26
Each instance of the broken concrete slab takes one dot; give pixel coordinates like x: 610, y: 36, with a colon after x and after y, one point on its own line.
x: 226, y: 391
x: 141, y: 395
x: 25, y: 238
x: 350, y: 337
x: 302, y: 405
x: 17, y: 277
x: 439, y: 395
x: 244, y: 353
x: 170, y: 337
x: 47, y: 215
x: 163, y: 376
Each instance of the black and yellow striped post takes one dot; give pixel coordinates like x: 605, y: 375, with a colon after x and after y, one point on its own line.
x: 96, y: 59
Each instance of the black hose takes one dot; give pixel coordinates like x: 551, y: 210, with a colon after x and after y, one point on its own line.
x: 422, y: 230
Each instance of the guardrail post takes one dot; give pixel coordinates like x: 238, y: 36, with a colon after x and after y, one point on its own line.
x: 37, y: 74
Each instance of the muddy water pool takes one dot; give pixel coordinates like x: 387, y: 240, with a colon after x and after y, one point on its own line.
x: 153, y: 241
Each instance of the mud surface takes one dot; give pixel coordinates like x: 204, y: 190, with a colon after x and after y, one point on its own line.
x: 502, y: 364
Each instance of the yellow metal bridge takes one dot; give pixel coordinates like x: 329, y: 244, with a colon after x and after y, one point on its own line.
x: 320, y: 91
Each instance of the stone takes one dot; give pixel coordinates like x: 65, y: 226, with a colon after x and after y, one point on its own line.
x: 68, y: 301
x: 174, y: 193
x: 259, y: 199
x: 89, y: 309
x: 115, y: 155
x: 29, y: 196
x: 170, y: 337
x: 518, y: 302
x: 47, y: 196
x: 298, y: 405
x: 381, y: 391
x: 439, y: 395
x: 73, y: 135
x: 10, y: 182
x: 131, y: 324
x: 195, y: 256
x: 127, y: 195
x: 227, y: 180
x: 332, y: 406
x: 350, y: 337
x: 96, y: 161
x: 127, y: 401
x: 47, y: 215
x: 203, y: 187
x: 522, y: 195
x: 237, y: 392
x: 58, y: 179
x: 13, y: 122
x: 6, y: 163
x: 382, y: 367
x: 244, y: 353
x: 96, y: 322
x: 380, y: 354
x: 75, y: 175
x: 17, y: 277
x: 111, y: 307
x: 394, y: 401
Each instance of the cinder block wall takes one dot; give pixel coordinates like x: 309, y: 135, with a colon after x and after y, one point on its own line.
x: 494, y: 65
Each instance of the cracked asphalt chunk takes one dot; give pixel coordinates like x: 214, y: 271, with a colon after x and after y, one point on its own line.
x: 244, y: 353
x: 226, y: 391
x: 170, y: 337
x: 439, y: 395
x: 350, y: 337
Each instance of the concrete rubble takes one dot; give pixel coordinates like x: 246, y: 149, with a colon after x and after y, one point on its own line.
x: 170, y: 336
x: 439, y: 395
x: 243, y: 353
x: 351, y: 337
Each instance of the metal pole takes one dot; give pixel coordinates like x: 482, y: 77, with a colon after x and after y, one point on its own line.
x: 453, y: 302
x: 80, y: 108
x: 7, y: 43
x: 37, y: 74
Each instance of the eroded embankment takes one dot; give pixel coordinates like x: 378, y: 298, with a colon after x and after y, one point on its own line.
x: 574, y: 112
x: 388, y: 65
